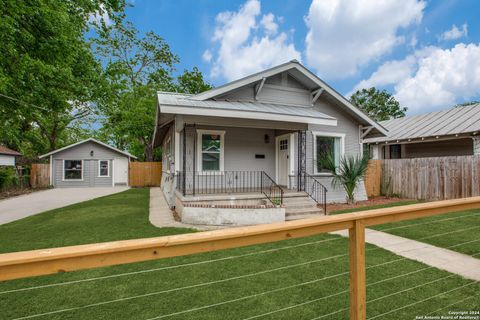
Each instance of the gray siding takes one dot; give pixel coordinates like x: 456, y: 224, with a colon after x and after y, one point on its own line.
x: 90, y: 165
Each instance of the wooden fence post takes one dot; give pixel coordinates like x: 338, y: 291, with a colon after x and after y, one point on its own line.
x: 357, y: 271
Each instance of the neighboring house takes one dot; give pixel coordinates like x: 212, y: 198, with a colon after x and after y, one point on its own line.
x: 88, y: 163
x: 8, y: 156
x: 452, y: 132
x: 254, y: 135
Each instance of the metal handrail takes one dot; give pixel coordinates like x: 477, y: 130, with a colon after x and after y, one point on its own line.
x: 271, y: 189
x: 316, y: 190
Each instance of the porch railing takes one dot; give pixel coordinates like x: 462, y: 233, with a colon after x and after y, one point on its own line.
x: 218, y: 182
x: 314, y: 188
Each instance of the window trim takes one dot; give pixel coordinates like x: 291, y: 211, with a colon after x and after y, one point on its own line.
x: 316, y: 134
x: 63, y: 170
x: 108, y: 169
x: 200, y: 133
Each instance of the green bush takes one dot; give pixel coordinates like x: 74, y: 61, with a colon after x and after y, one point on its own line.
x: 6, y: 176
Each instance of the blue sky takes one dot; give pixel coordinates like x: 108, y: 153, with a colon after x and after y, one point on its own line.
x: 427, y: 53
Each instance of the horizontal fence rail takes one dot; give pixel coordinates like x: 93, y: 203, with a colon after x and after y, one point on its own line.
x: 49, y: 261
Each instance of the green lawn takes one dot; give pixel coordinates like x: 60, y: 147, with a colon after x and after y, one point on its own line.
x: 120, y: 216
x: 294, y: 279
x: 459, y: 231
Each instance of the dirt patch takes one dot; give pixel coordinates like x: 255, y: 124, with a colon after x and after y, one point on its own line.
x: 376, y: 201
x: 18, y: 192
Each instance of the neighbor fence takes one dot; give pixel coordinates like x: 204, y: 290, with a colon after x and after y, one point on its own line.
x: 144, y: 174
x: 58, y: 260
x: 40, y: 175
x: 432, y: 178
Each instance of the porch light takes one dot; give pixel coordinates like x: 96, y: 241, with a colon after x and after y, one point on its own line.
x: 91, y: 153
x: 266, y: 138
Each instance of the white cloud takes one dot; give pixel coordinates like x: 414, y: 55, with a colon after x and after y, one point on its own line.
x: 455, y: 33
x: 99, y: 16
x: 431, y: 78
x: 246, y: 44
x: 344, y: 35
x: 268, y: 22
x: 207, y: 56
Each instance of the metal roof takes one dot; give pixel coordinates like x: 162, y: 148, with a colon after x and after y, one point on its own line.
x: 295, y: 67
x: 88, y: 140
x: 455, y: 121
x: 185, y: 100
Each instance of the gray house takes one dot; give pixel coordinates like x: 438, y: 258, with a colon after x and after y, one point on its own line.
x: 451, y: 132
x: 254, y: 143
x: 8, y: 156
x: 88, y: 163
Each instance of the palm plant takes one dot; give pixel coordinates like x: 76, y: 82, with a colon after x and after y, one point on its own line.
x: 348, y: 174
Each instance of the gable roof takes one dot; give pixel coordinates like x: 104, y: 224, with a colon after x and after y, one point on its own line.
x: 454, y: 121
x: 8, y: 151
x: 187, y: 104
x: 89, y: 140
x: 295, y: 67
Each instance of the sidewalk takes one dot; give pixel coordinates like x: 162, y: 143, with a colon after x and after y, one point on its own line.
x: 451, y: 261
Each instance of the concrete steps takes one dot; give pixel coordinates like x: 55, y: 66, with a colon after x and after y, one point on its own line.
x: 299, y: 205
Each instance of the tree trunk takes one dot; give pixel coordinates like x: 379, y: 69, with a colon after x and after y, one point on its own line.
x: 148, y: 152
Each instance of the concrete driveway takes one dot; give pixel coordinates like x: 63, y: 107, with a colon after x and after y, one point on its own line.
x: 17, y: 208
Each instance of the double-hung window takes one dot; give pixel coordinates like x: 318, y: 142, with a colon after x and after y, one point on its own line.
x: 103, y: 168
x: 324, y: 144
x: 210, y: 148
x: 72, y: 170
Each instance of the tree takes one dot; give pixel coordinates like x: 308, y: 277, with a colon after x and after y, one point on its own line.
x: 348, y: 174
x: 136, y: 67
x: 379, y: 105
x: 49, y: 78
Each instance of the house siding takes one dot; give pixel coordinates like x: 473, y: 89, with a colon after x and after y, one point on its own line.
x: 7, y: 160
x: 90, y: 165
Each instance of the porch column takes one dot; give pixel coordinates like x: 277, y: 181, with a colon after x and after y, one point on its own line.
x: 476, y: 145
x: 375, y: 151
x: 302, y: 160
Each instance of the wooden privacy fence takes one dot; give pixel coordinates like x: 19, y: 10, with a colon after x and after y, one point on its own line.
x: 47, y: 261
x: 40, y: 175
x: 432, y: 178
x: 373, y: 178
x: 144, y: 174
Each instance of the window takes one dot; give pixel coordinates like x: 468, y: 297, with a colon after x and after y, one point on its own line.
x: 103, y: 168
x: 283, y: 144
x: 210, y: 149
x: 73, y: 170
x: 395, y: 151
x: 325, y: 144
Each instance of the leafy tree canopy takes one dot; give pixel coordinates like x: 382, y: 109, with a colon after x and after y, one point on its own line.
x: 49, y: 77
x: 379, y: 105
x: 136, y: 67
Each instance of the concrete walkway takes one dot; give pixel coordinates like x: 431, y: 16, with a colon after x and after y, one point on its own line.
x: 448, y: 260
x: 161, y: 216
x: 23, y: 206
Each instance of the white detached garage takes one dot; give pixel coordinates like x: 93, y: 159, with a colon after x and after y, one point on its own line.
x: 88, y: 163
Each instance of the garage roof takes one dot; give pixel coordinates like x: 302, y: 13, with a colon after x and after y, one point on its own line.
x: 89, y: 140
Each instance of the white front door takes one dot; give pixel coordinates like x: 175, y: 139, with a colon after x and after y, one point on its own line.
x: 283, y: 147
x: 120, y: 171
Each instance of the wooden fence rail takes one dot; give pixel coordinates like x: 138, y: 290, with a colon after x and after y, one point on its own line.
x: 144, y: 174
x: 48, y: 261
x: 432, y: 178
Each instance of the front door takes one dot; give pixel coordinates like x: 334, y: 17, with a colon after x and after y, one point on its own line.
x: 120, y: 173
x: 283, y: 146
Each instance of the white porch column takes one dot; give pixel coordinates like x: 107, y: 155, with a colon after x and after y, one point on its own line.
x: 476, y: 145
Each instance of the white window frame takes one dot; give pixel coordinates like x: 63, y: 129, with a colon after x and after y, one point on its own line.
x: 200, y: 133
x: 330, y: 135
x: 108, y: 169
x: 63, y: 170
